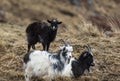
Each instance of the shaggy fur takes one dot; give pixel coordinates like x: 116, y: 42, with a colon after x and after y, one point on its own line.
x: 42, y: 63
x: 82, y: 63
x: 42, y: 32
x: 77, y: 67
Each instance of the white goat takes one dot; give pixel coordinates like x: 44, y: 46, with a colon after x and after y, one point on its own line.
x: 42, y: 63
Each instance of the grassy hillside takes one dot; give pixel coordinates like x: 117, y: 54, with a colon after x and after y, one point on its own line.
x: 97, y: 25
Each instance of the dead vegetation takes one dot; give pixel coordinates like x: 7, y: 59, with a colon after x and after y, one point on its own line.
x: 98, y: 26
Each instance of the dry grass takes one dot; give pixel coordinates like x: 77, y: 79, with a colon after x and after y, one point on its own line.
x: 77, y: 27
x: 105, y: 50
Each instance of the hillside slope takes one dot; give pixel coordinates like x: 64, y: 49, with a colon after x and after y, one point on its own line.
x: 98, y: 26
x: 13, y: 47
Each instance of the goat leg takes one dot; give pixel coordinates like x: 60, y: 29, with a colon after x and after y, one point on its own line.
x: 48, y: 45
x: 43, y: 46
x: 29, y: 46
x: 33, y: 47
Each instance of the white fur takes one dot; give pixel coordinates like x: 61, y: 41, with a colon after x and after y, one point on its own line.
x: 69, y: 48
x: 40, y: 64
x: 67, y: 70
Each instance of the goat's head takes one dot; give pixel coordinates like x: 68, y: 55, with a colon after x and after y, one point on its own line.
x: 67, y: 49
x: 87, y: 58
x: 54, y: 23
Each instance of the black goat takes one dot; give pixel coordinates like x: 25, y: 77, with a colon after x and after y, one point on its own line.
x: 42, y: 32
x: 83, y: 63
x: 77, y: 67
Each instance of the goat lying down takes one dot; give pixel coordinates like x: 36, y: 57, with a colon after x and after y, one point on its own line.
x: 42, y: 63
x: 77, y: 67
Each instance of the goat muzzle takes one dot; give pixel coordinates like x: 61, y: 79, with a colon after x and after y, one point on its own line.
x: 93, y: 64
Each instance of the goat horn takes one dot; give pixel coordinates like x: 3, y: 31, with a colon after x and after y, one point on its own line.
x: 88, y: 47
x: 68, y: 43
x: 64, y: 42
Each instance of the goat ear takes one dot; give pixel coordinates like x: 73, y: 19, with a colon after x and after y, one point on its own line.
x: 85, y: 55
x: 49, y: 21
x: 59, y: 22
x: 64, y: 48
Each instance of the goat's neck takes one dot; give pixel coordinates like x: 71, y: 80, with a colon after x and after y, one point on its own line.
x: 83, y: 66
x: 61, y: 58
x: 77, y: 69
x: 53, y: 35
x: 60, y: 63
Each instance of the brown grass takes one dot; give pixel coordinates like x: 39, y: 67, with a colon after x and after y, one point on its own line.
x: 76, y: 28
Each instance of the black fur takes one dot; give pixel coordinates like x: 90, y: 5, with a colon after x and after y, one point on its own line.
x: 83, y: 63
x: 59, y: 65
x: 26, y: 57
x: 42, y: 32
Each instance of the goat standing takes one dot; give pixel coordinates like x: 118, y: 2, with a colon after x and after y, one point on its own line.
x: 42, y: 32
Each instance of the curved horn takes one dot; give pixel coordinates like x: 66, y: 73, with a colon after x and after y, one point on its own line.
x: 68, y: 43
x: 88, y: 47
x: 64, y: 42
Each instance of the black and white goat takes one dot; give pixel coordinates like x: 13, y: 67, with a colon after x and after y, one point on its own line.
x: 43, y: 63
x: 77, y: 67
x: 42, y: 32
